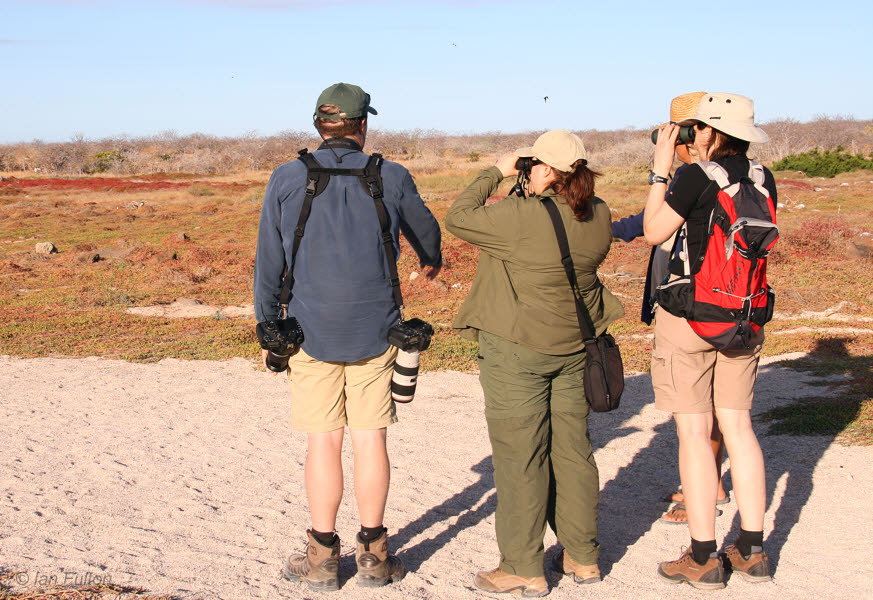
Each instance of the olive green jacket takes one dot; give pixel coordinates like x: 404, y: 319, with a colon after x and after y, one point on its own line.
x: 521, y: 292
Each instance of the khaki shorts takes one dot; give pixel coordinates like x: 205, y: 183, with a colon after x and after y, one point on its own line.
x: 690, y: 376
x: 330, y: 395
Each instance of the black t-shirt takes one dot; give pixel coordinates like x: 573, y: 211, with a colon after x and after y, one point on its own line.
x: 693, y: 195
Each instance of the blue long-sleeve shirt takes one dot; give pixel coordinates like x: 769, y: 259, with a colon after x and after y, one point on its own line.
x: 342, y: 294
x: 629, y: 228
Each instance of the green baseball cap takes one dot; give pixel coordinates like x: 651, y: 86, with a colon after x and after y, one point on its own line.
x: 352, y: 101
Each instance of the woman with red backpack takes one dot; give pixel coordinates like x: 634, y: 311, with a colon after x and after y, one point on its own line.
x: 708, y: 328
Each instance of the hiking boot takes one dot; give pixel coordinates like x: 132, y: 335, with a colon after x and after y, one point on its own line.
x: 317, y: 566
x: 755, y: 568
x: 500, y: 582
x: 564, y: 563
x: 375, y: 566
x: 708, y: 576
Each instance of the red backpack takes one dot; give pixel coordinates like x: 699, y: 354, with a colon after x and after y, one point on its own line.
x: 723, y: 292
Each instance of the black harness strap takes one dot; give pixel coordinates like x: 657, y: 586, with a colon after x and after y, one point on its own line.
x: 585, y: 324
x: 317, y: 178
x: 372, y: 180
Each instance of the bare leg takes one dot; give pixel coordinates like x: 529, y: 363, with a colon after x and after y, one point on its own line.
x: 324, y: 478
x: 698, y: 473
x: 717, y: 442
x: 372, y: 474
x: 747, y: 466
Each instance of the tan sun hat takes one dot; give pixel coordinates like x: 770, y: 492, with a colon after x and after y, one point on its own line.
x: 684, y: 107
x: 557, y: 148
x: 731, y: 114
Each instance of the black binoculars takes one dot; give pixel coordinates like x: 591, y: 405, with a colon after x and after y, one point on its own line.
x: 524, y: 164
x: 686, y: 135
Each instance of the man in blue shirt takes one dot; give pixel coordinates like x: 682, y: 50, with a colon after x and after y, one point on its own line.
x: 342, y: 297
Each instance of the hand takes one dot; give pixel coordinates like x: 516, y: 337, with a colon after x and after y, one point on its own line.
x: 432, y: 272
x: 665, y: 149
x: 506, y: 164
x: 264, y: 361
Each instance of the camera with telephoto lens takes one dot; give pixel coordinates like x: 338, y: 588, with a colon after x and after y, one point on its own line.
x: 411, y: 338
x: 280, y: 338
x: 686, y: 135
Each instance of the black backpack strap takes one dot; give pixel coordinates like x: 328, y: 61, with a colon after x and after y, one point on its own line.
x: 372, y: 180
x: 585, y: 324
x: 317, y: 178
x: 316, y: 182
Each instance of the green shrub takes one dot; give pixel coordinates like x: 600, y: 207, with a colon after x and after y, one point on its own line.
x: 829, y: 163
x: 104, y: 161
x: 474, y: 156
x: 198, y: 189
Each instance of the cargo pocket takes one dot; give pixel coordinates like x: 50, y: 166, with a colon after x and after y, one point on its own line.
x: 662, y: 372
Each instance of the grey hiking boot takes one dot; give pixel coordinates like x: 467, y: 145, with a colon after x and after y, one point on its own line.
x: 375, y: 566
x: 318, y: 566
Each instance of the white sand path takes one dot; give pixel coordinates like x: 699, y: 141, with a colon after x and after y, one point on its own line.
x: 185, y: 478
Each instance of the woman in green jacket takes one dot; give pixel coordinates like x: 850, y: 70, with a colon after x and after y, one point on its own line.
x: 521, y: 310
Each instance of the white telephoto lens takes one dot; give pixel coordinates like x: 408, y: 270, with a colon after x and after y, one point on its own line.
x: 405, y: 376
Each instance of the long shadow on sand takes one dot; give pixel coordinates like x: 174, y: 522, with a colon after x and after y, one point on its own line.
x: 630, y: 503
x: 458, y: 505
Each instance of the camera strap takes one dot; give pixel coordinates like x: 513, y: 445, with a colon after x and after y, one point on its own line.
x: 585, y: 324
x: 317, y: 178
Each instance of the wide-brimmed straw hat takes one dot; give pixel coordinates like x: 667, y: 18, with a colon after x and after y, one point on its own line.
x: 731, y: 114
x: 684, y: 107
x: 558, y: 148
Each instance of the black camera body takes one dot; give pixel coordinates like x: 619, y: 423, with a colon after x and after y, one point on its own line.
x: 411, y: 338
x: 686, y: 135
x: 280, y: 338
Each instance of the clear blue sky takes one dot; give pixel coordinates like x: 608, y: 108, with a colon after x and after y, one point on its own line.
x: 230, y: 67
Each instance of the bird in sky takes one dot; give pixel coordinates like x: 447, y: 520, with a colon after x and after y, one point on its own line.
x: 545, y: 98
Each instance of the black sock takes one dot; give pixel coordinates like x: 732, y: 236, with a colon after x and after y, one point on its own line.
x: 325, y: 539
x: 368, y: 534
x: 747, y: 539
x: 700, y: 551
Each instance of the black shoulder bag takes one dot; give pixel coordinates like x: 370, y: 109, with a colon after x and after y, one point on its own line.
x: 604, y: 372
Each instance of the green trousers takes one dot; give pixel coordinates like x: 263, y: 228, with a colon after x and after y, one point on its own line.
x: 544, y: 467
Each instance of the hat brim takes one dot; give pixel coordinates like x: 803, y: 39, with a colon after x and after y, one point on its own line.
x: 748, y: 133
x: 525, y: 152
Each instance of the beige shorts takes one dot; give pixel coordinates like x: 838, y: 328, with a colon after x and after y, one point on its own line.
x: 690, y: 376
x: 330, y: 395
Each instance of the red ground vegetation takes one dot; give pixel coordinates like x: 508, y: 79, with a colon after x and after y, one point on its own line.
x: 112, y: 184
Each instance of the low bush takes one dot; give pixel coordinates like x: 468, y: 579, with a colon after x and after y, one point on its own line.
x: 818, y: 234
x: 198, y: 189
x: 829, y: 163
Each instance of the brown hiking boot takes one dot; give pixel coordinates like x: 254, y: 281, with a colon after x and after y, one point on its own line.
x: 318, y: 566
x: 375, y: 566
x: 501, y: 582
x: 564, y: 563
x: 708, y: 576
x: 755, y: 568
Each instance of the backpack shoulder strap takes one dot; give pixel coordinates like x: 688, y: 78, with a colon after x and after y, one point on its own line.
x: 756, y: 172
x: 316, y: 182
x: 371, y: 179
x: 715, y: 172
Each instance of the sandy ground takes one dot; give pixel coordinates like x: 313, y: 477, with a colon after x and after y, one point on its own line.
x: 185, y: 478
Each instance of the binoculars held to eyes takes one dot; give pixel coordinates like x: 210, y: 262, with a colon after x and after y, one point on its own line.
x: 686, y: 135
x: 524, y: 164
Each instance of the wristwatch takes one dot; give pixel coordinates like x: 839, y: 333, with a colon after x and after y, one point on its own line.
x: 654, y: 178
